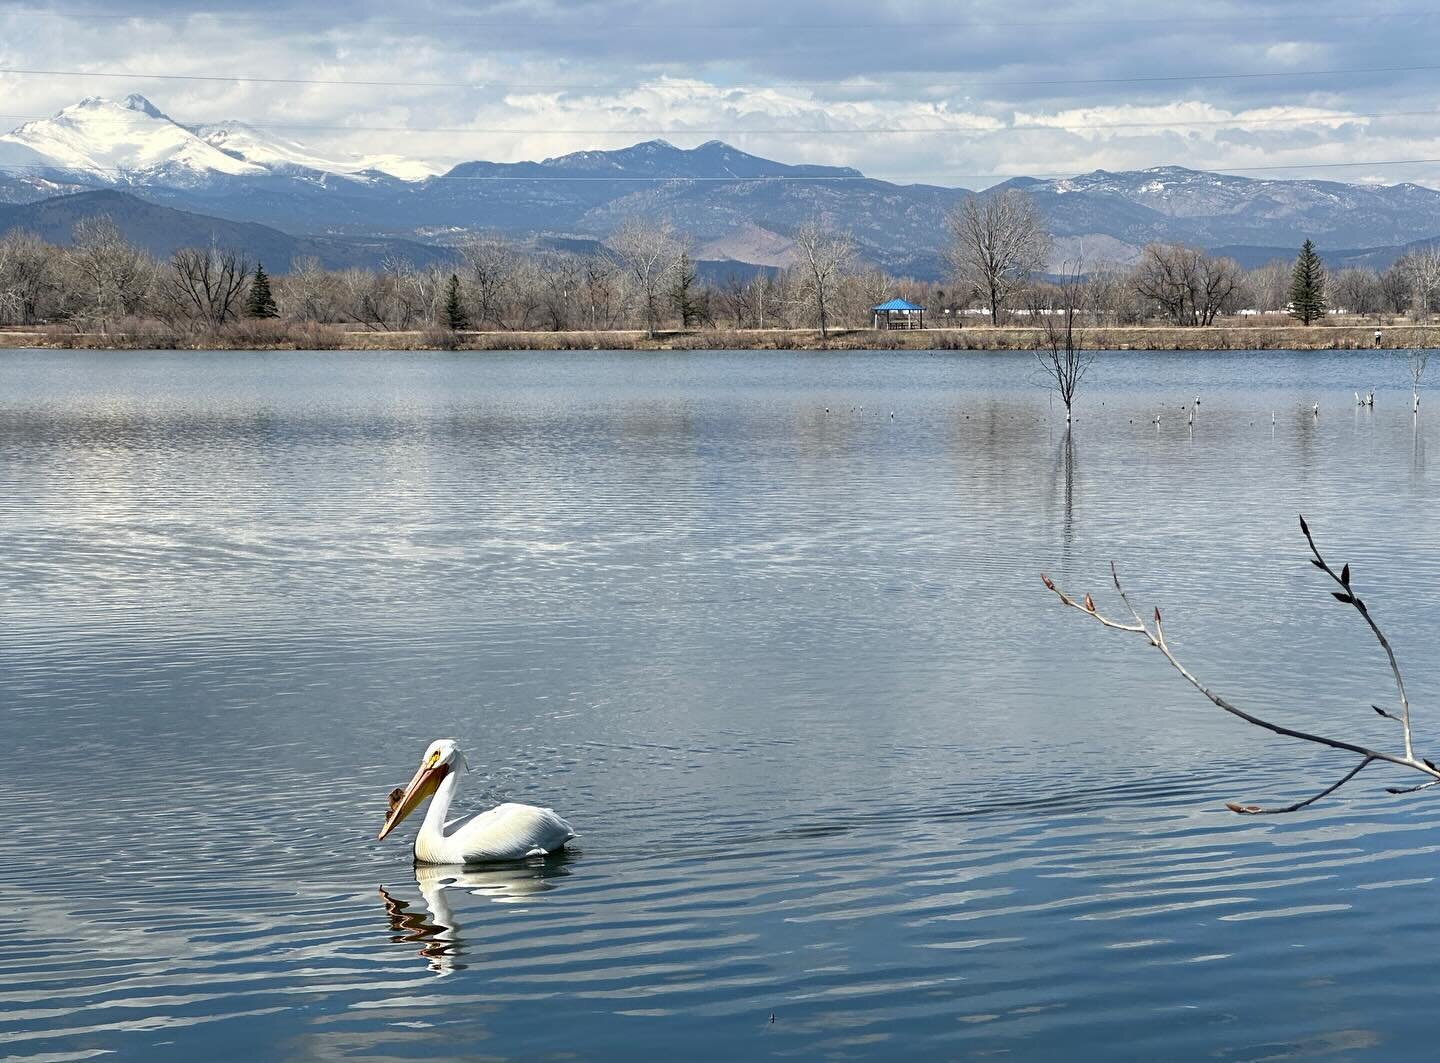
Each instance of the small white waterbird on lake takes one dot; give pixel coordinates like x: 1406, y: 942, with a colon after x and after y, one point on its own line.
x: 506, y: 832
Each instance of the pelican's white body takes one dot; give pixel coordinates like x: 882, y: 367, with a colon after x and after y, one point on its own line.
x: 506, y: 832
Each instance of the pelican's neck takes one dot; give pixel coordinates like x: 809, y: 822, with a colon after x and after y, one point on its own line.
x: 433, y: 828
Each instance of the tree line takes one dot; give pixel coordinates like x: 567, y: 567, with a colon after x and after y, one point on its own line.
x: 645, y: 278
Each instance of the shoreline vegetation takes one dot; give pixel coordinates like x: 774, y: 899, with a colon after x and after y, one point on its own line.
x: 281, y: 336
x: 643, y: 291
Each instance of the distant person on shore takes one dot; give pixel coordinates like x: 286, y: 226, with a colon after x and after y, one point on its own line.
x: 1377, y: 337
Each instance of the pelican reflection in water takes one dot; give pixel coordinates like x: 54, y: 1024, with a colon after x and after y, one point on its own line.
x: 434, y: 926
x: 506, y: 832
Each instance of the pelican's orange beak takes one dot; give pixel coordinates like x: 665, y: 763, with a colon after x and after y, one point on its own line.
x: 427, y: 778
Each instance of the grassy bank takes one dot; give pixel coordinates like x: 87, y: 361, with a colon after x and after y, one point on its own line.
x: 271, y: 335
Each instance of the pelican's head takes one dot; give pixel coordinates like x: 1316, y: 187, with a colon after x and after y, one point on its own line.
x: 441, y: 757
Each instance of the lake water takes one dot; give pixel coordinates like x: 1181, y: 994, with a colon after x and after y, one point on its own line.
x: 850, y: 784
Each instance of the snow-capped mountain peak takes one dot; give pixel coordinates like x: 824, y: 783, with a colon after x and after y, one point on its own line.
x: 118, y: 140
x: 136, y: 102
x: 131, y: 141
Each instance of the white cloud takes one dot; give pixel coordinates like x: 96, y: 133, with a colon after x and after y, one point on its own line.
x: 960, y: 99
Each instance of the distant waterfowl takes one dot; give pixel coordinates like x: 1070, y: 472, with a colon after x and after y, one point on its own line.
x: 1316, y: 410
x: 506, y: 832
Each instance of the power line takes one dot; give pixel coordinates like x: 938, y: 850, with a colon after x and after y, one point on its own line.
x: 1221, y: 168
x: 667, y: 25
x: 859, y: 131
x: 1308, y: 75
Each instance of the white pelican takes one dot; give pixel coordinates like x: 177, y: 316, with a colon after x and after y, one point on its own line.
x: 506, y: 832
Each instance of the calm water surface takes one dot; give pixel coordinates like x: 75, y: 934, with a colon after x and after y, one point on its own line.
x: 835, y: 755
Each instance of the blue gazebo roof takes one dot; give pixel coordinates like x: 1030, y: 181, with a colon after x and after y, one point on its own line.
x: 895, y: 304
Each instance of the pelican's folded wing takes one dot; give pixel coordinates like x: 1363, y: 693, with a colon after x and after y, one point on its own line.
x: 512, y: 832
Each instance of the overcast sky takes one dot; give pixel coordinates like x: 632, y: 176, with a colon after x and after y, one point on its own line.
x: 947, y: 93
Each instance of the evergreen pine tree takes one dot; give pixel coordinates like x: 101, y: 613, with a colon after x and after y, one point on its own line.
x: 455, y: 318
x: 1307, y: 286
x: 260, y: 302
x: 682, y: 292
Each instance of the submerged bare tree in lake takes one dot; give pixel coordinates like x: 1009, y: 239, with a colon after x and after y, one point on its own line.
x: 1063, y: 359
x: 1419, y: 358
x: 1154, y: 633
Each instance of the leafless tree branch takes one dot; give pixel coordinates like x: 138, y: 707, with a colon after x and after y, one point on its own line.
x: 1154, y: 633
x: 1349, y: 597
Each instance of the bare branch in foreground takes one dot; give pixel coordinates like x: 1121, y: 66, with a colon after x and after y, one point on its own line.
x: 1154, y: 633
x: 1256, y: 810
x: 1349, y: 597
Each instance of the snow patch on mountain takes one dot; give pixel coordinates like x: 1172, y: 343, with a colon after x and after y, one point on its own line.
x: 279, y: 154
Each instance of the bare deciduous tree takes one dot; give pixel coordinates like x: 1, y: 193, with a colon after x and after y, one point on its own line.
x: 1153, y: 632
x: 997, y: 243
x: 602, y: 284
x: 1356, y: 290
x: 408, y: 293
x: 1422, y: 267
x: 1112, y: 298
x: 367, y: 299
x: 1395, y: 290
x: 1187, y: 285
x: 762, y: 297
x: 308, y: 292
x: 1165, y: 275
x: 491, y: 263
x: 1063, y: 360
x: 115, y: 276
x: 205, y: 284
x: 560, y: 284
x: 1220, y: 280
x: 1269, y: 286
x: 27, y: 276
x: 648, y: 252
x: 824, y: 256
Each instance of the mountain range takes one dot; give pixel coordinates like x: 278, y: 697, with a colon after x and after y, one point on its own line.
x: 737, y: 207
